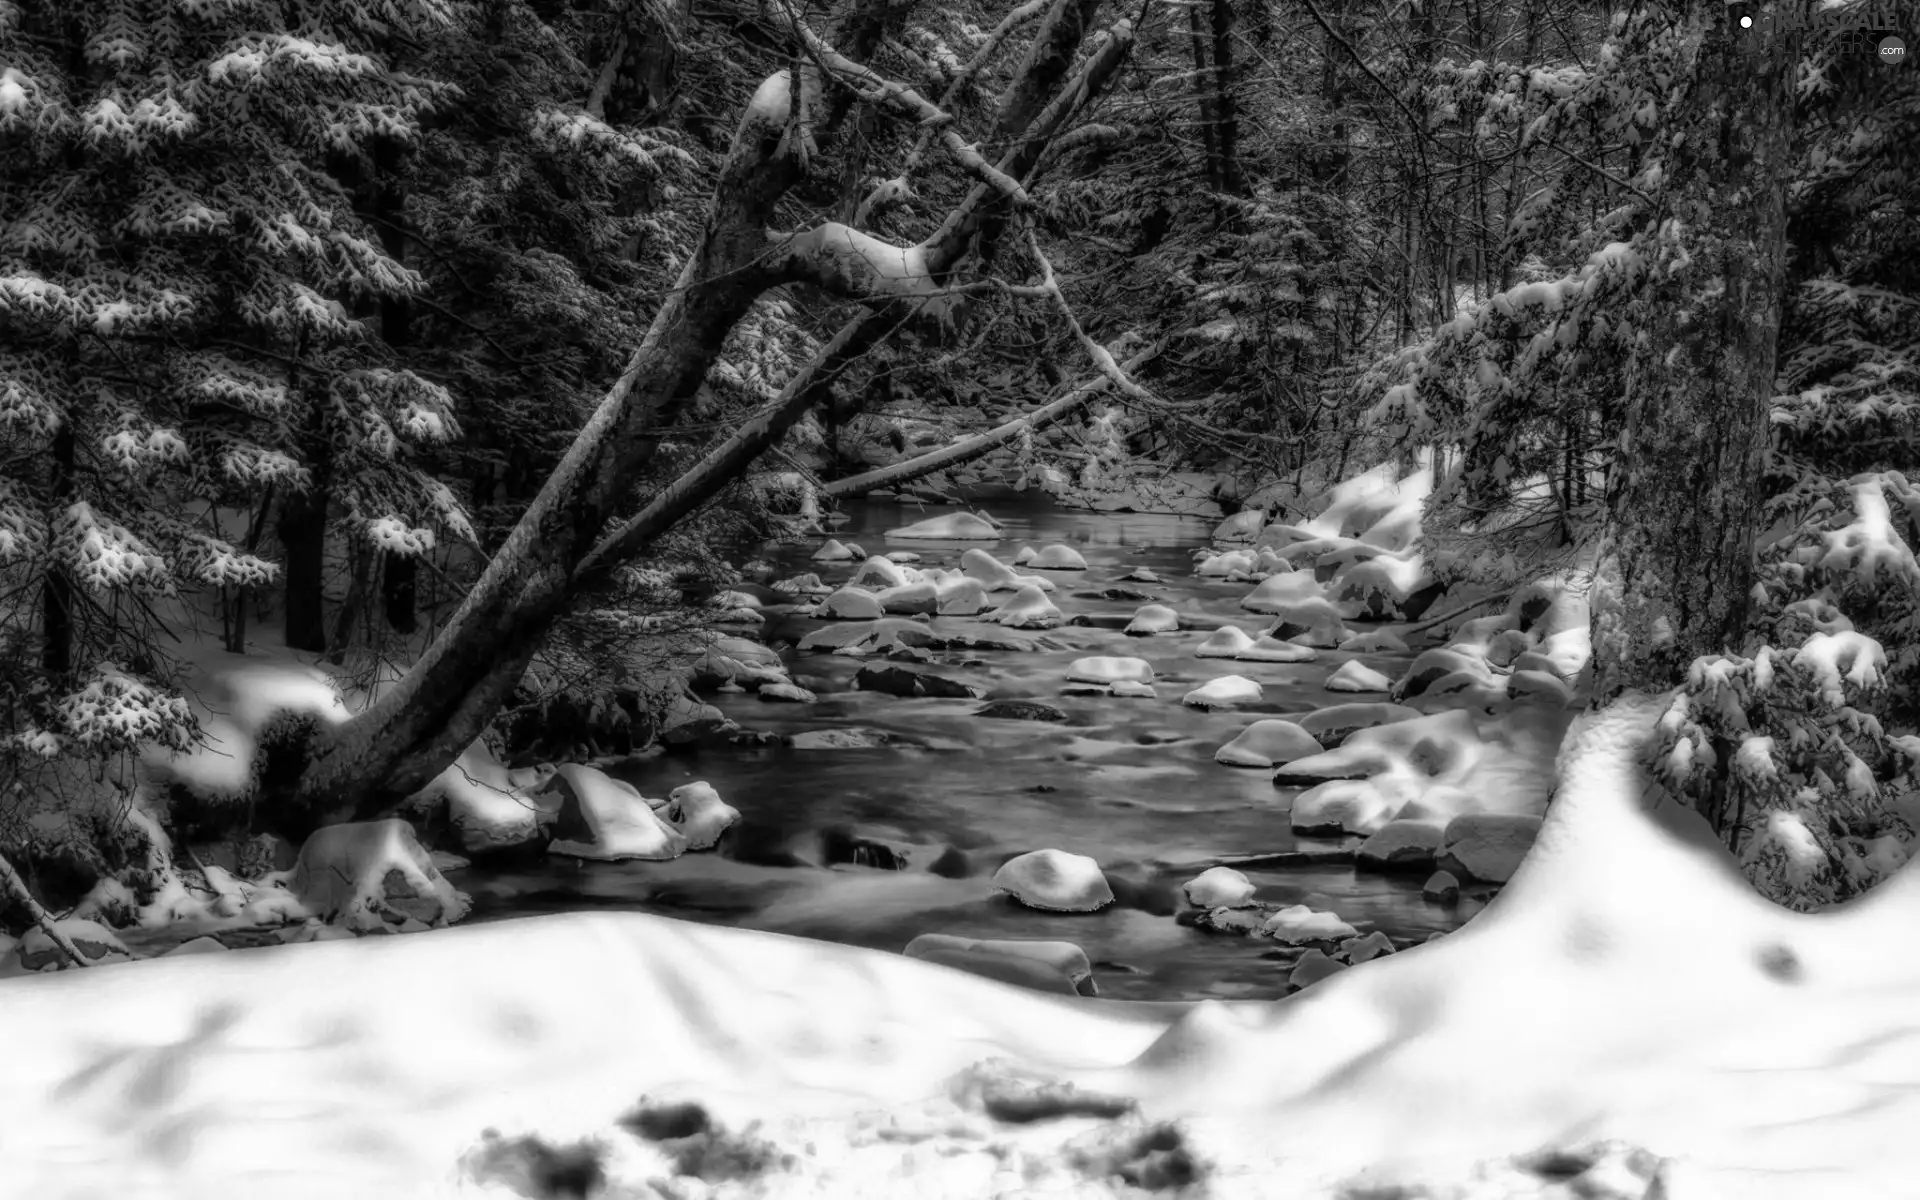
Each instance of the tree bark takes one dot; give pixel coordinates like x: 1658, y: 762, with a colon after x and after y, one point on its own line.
x: 1226, y: 112
x: 1684, y: 503
x: 56, y: 590
x: 367, y: 766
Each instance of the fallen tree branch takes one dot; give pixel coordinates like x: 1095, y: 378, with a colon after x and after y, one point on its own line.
x: 981, y: 443
x: 1463, y: 610
x: 16, y: 888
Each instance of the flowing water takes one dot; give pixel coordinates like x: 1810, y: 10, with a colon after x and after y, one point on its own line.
x: 1130, y: 782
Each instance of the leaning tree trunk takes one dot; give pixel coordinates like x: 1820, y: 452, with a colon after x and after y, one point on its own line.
x: 365, y: 767
x: 1684, y: 501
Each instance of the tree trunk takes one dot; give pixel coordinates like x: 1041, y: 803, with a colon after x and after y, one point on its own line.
x: 1684, y: 505
x: 368, y: 765
x: 56, y: 590
x: 303, y: 535
x: 1225, y: 111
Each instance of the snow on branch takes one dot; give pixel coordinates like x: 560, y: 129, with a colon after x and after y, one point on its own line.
x: 876, y: 89
x: 896, y: 189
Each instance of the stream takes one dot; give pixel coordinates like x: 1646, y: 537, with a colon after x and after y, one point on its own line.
x: 1129, y: 782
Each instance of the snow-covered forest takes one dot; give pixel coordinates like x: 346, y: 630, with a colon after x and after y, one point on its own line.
x: 1204, y: 598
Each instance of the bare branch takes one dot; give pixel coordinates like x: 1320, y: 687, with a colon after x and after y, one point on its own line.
x: 17, y: 889
x: 982, y: 443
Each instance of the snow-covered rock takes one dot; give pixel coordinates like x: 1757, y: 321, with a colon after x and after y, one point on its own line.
x: 1443, y: 746
x: 1131, y: 689
x: 802, y: 585
x: 1269, y: 649
x: 1242, y: 526
x: 486, y: 809
x: 1110, y: 669
x: 850, y: 604
x: 961, y: 596
x: 368, y: 875
x: 97, y: 943
x: 608, y: 819
x: 1402, y: 845
x: 1028, y: 608
x: 901, y: 556
x: 1315, y: 622
x: 1487, y: 846
x: 1445, y: 670
x: 954, y: 527
x: 1334, y: 724
x: 698, y: 812
x: 997, y: 576
x: 1228, y: 641
x: 1344, y: 806
x: 1356, y: 676
x: 1280, y: 592
x: 1225, y: 566
x: 1227, y: 691
x: 1218, y: 887
x: 790, y: 693
x: 1296, y: 925
x: 1266, y: 743
x: 199, y: 945
x: 833, y: 550
x: 1047, y: 966
x: 1057, y: 557
x: 1141, y: 575
x: 879, y: 573
x: 1054, y: 881
x: 1150, y: 619
x: 1374, y: 641
x: 1539, y: 687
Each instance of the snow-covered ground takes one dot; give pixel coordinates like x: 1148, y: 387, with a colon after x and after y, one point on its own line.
x: 1628, y: 984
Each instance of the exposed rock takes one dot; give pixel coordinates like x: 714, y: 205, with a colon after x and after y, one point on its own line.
x: 1441, y: 888
x: 1117, y: 594
x: 840, y: 739
x: 1054, y: 881
x: 1364, y: 949
x: 1311, y: 968
x: 841, y: 845
x: 788, y: 692
x: 1020, y: 710
x: 1267, y: 743
x: 898, y: 681
x: 1402, y: 846
x: 1487, y: 846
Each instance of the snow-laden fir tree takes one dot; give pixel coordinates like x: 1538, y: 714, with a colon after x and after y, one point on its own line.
x: 181, y: 271
x: 1722, y: 366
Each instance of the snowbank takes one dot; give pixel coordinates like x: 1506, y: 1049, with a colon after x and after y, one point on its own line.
x: 1759, y: 1050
